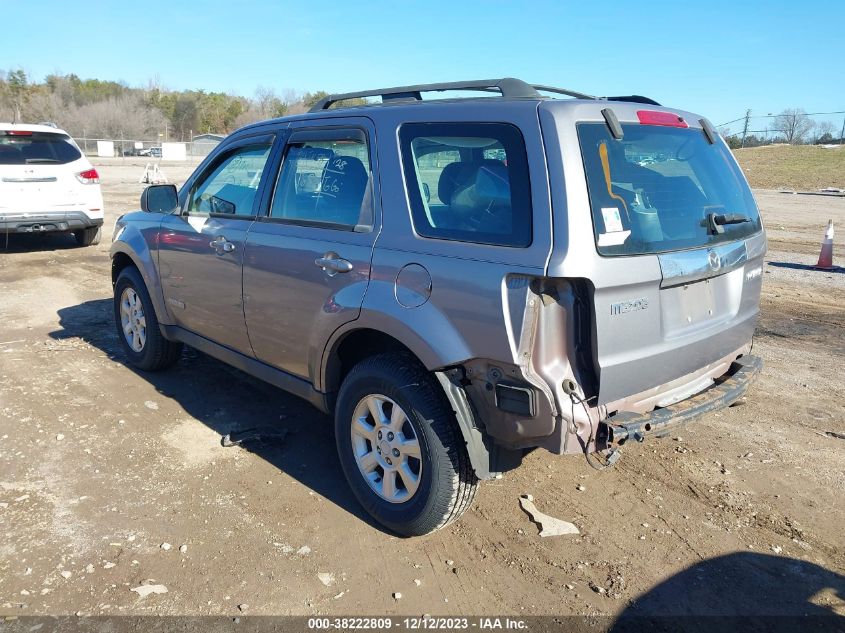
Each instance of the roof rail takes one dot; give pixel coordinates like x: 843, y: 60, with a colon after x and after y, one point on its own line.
x: 563, y: 91
x: 507, y: 87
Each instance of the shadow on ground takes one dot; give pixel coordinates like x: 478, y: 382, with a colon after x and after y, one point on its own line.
x: 36, y: 242
x: 794, y: 266
x: 228, y: 400
x: 745, y: 592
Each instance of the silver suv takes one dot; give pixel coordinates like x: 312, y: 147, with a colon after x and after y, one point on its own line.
x: 459, y: 281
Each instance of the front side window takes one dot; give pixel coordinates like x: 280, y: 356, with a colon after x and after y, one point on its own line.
x: 660, y: 189
x: 468, y: 182
x: 230, y: 187
x: 325, y: 182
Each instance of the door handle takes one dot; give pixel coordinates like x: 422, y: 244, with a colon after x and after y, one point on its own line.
x: 221, y: 245
x: 332, y: 264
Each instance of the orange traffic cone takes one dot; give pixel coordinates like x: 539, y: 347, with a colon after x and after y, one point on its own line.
x: 826, y: 254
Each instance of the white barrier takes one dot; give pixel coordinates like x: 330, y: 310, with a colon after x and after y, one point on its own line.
x: 105, y: 149
x: 174, y: 151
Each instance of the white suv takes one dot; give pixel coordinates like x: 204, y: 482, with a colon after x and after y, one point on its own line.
x: 47, y: 185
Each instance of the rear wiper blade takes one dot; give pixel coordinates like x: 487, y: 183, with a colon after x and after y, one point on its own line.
x: 41, y: 160
x: 715, y: 222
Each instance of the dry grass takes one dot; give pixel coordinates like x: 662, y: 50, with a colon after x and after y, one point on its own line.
x: 798, y: 167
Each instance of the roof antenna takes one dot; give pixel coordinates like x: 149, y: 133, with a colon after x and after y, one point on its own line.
x: 613, y: 123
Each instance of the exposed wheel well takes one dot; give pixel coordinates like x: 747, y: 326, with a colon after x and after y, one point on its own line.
x: 118, y: 263
x: 352, y: 349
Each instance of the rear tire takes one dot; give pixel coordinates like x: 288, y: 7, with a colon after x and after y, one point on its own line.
x: 88, y: 237
x: 137, y: 325
x: 433, y: 481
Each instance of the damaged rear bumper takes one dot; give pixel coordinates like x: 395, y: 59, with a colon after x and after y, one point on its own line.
x: 625, y: 426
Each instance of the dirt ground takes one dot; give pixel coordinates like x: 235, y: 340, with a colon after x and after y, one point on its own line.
x: 102, y: 466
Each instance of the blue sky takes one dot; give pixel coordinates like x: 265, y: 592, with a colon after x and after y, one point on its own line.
x: 716, y: 58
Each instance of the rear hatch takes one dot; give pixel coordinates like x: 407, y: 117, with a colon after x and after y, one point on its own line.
x: 677, y: 247
x: 38, y: 174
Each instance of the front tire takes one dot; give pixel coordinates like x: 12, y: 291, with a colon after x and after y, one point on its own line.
x: 400, y: 446
x: 137, y: 325
x: 88, y: 237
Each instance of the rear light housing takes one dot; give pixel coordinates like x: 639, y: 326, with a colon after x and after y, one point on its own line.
x: 88, y: 177
x: 655, y: 117
x: 17, y: 133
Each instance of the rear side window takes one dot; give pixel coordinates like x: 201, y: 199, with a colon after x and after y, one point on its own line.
x: 326, y: 181
x: 468, y: 182
x: 30, y: 148
x: 660, y: 189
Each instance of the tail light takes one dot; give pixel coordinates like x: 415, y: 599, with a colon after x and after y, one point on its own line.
x: 655, y: 117
x: 88, y: 177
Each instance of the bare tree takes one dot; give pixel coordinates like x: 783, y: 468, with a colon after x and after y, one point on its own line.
x: 250, y: 115
x: 267, y: 103
x: 119, y: 118
x: 823, y: 132
x: 794, y: 124
x: 46, y: 106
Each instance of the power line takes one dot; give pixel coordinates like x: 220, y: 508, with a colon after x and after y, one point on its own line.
x: 774, y: 116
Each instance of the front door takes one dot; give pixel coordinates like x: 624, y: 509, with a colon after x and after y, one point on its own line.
x: 307, y: 260
x: 201, y: 249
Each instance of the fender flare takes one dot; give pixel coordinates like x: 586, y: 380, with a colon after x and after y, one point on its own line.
x: 488, y: 460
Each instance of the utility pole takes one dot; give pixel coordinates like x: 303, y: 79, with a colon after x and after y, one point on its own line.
x: 842, y: 133
x: 745, y: 126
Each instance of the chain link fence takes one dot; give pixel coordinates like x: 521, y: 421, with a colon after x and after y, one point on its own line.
x: 195, y: 150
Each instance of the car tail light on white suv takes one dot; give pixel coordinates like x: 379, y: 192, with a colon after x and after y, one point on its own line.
x: 88, y: 177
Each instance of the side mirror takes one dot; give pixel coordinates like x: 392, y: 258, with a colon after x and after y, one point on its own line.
x: 159, y: 199
x: 426, y: 192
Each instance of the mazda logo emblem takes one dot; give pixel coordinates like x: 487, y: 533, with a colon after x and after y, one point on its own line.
x: 714, y: 260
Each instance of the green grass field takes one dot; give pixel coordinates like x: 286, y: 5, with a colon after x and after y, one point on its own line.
x: 797, y: 167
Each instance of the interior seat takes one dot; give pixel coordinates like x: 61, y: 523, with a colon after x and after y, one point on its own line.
x: 342, y: 190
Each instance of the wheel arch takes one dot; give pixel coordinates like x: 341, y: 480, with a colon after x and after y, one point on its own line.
x: 354, y: 344
x: 119, y: 261
x: 125, y: 254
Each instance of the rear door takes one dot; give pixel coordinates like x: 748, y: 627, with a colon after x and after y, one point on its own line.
x: 307, y: 260
x: 201, y: 248
x: 677, y: 247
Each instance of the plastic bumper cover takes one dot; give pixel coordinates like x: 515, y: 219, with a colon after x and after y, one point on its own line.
x: 46, y: 222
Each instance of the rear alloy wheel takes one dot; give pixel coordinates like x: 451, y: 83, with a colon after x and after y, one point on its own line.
x: 400, y: 446
x: 386, y: 448
x: 137, y: 325
x: 89, y: 236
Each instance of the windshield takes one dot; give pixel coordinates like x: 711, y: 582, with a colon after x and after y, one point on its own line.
x: 28, y: 148
x: 661, y: 189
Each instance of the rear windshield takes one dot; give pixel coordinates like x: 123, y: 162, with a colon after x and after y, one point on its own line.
x: 36, y: 147
x: 662, y: 188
